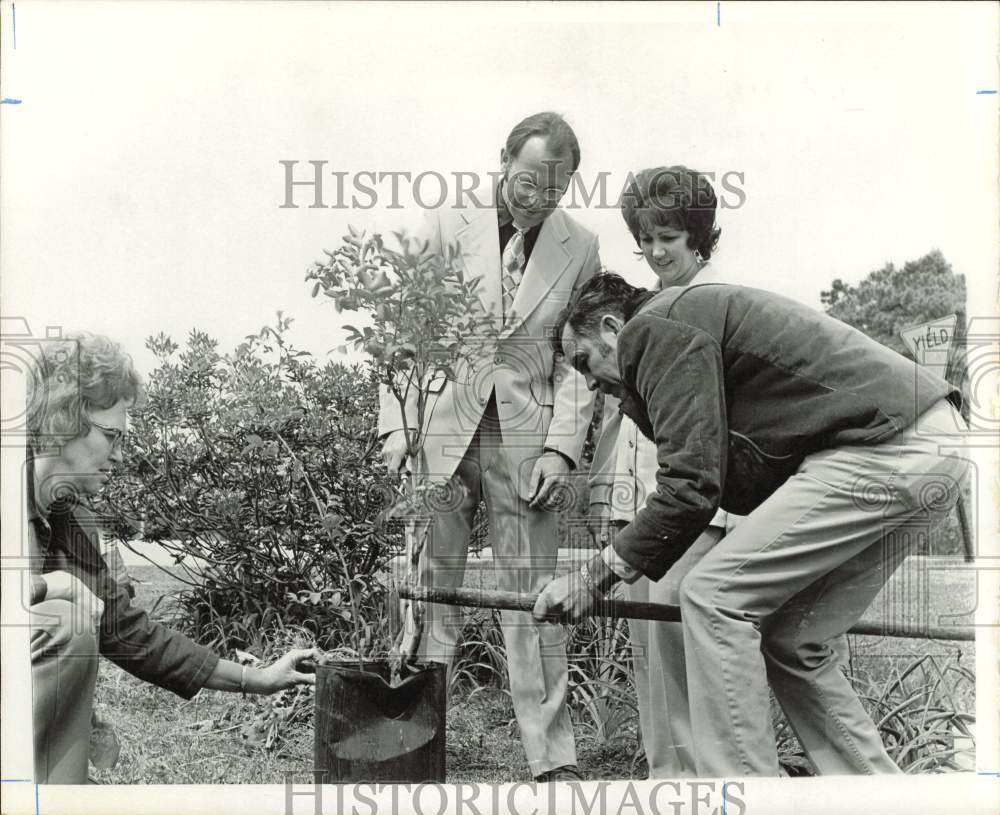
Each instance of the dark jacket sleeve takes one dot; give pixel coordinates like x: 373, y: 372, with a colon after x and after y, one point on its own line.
x: 676, y: 372
x: 151, y: 651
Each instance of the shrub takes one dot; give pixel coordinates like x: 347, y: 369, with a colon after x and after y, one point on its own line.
x: 255, y: 470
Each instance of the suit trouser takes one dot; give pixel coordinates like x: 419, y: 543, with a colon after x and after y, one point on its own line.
x: 524, y: 550
x: 660, y: 672
x: 773, y: 600
x: 63, y: 674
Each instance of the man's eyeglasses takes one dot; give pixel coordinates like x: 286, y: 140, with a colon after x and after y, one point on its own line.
x: 115, y: 435
x: 526, y: 189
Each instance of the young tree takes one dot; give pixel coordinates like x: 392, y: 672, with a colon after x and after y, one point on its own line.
x: 425, y: 319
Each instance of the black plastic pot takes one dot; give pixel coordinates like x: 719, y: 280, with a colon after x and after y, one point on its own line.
x: 369, y: 731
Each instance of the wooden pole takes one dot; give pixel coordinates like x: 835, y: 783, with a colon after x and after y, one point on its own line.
x: 963, y: 525
x: 513, y: 601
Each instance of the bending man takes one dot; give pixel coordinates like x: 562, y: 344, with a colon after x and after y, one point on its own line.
x: 826, y: 439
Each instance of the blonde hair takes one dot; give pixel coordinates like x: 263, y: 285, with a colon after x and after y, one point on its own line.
x: 72, y: 377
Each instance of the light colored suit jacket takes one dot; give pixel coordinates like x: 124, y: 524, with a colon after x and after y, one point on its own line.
x: 541, y: 403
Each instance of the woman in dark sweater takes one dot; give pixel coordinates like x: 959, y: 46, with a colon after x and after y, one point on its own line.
x: 77, y: 420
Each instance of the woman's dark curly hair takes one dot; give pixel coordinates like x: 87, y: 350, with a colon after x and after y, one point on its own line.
x: 677, y: 197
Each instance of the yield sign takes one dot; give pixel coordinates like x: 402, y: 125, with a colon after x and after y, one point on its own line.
x: 930, y: 342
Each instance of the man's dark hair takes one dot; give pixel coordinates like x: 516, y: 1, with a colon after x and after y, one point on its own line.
x: 560, y: 140
x: 604, y: 293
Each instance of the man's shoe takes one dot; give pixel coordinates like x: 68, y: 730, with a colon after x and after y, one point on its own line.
x: 568, y: 772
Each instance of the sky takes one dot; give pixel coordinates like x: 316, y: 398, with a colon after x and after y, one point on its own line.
x: 142, y: 184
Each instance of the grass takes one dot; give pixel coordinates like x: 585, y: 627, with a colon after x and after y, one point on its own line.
x: 166, y: 740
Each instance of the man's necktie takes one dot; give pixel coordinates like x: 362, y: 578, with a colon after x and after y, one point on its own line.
x: 513, y: 269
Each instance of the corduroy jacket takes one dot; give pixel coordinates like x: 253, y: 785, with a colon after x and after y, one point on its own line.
x: 736, y: 386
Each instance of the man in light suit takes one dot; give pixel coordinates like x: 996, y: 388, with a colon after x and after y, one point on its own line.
x: 512, y: 422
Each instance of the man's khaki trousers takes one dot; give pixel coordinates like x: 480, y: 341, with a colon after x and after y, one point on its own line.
x: 524, y: 551
x: 771, y: 602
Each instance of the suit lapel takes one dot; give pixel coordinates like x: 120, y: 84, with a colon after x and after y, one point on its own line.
x: 480, y: 251
x: 549, y: 259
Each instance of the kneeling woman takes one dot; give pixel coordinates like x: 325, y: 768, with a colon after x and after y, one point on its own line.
x: 76, y: 423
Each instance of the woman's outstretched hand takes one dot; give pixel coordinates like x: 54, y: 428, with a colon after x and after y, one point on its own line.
x: 289, y: 670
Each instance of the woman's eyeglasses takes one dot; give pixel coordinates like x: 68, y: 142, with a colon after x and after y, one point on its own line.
x: 115, y: 435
